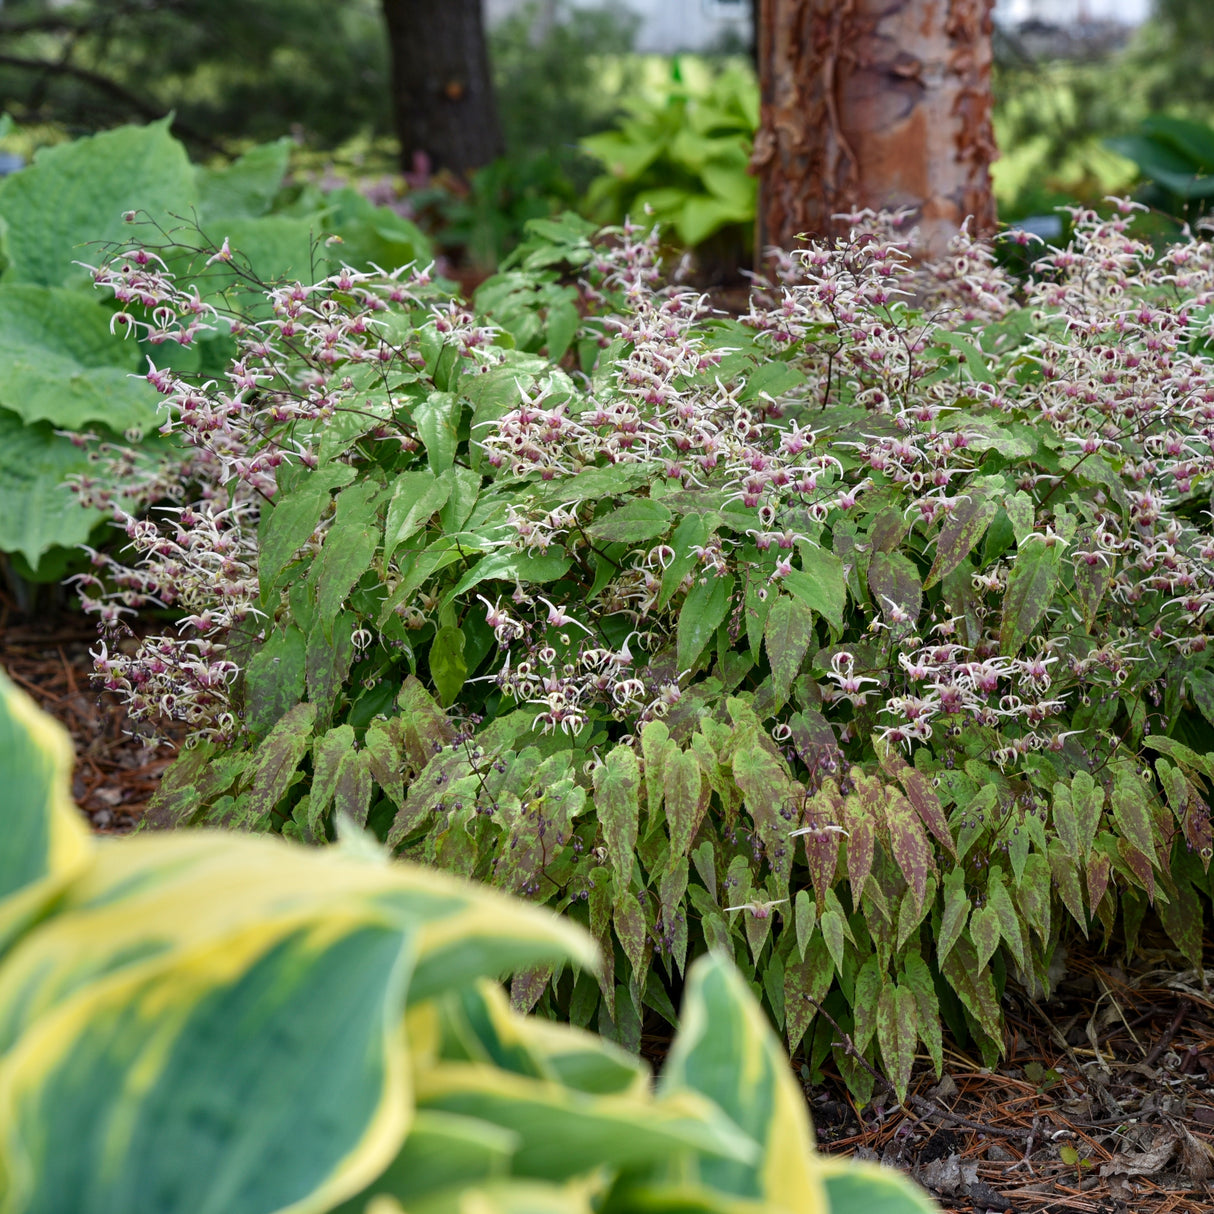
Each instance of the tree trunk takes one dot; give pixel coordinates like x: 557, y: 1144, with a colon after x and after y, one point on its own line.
x: 874, y: 103
x: 442, y: 96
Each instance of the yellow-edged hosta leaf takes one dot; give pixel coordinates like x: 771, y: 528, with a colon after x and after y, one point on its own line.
x: 45, y: 841
x: 865, y: 1188
x: 479, y: 1025
x: 442, y: 1151
x: 566, y: 1133
x: 149, y: 897
x: 507, y: 1197
x: 725, y: 1051
x: 261, y: 1072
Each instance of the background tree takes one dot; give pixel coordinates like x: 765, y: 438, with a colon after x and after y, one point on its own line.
x: 874, y: 103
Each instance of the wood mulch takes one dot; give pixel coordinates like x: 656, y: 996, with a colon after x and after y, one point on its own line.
x: 1105, y: 1104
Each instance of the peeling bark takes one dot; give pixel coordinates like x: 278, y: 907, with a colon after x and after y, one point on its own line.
x: 874, y: 103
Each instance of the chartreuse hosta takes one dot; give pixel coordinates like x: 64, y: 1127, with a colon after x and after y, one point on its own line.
x: 212, y: 1023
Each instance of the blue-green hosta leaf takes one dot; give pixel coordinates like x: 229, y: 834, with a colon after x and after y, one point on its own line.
x: 37, y: 510
x: 60, y: 363
x: 73, y: 197
x: 246, y: 188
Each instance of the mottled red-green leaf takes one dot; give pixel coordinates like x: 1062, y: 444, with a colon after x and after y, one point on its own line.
x: 766, y: 790
x: 427, y: 729
x: 1139, y: 863
x: 1065, y: 821
x: 426, y: 790
x: 955, y: 914
x: 1033, y: 894
x: 788, y: 634
x: 984, y: 931
x: 687, y: 795
x: 869, y: 982
x: 897, y: 1036
x: 960, y: 533
x: 974, y: 986
x: 822, y: 858
x: 655, y: 746
x: 922, y: 796
x: 1182, y: 920
x: 908, y: 843
x: 815, y: 741
x: 527, y: 986
x: 806, y: 984
x: 671, y: 891
x: 895, y: 583
x: 1031, y: 584
x: 382, y: 746
x: 1087, y: 801
x: 274, y: 678
x: 1000, y: 901
x: 631, y: 930
x: 862, y: 813
x: 1066, y: 877
x: 1098, y: 868
x: 278, y: 758
x: 912, y: 911
x: 327, y: 663
x: 1091, y: 582
x: 617, y: 782
x: 352, y: 789
x: 327, y: 752
x: 1131, y: 801
x: 917, y: 978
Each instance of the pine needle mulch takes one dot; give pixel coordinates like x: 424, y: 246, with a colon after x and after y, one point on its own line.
x: 1104, y: 1105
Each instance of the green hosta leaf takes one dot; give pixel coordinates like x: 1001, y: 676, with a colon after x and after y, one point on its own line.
x: 1031, y: 585
x: 639, y: 520
x: 73, y: 197
x: 789, y: 631
x: 60, y: 363
x: 447, y: 666
x: 416, y: 497
x: 896, y: 1019
x: 866, y: 1188
x: 246, y: 187
x: 820, y: 583
x: 725, y: 1051
x: 703, y: 611
x: 277, y: 759
x: 37, y: 510
x: 617, y: 782
x: 895, y: 584
x: 961, y: 532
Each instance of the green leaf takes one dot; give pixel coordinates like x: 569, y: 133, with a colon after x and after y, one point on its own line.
x: 974, y: 986
x: 274, y: 678
x: 820, y: 583
x: 1131, y: 801
x: 955, y: 915
x: 447, y: 666
x: 984, y: 931
x: 805, y: 914
x: 562, y: 327
x: 789, y: 631
x: 1030, y: 592
x: 643, y: 519
x: 72, y: 199
x: 349, y: 545
x: 246, y: 187
x: 703, y: 611
x: 295, y: 516
x: 416, y: 497
x: 437, y: 422
x: 869, y: 983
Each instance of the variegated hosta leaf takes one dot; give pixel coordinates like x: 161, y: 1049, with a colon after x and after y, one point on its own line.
x: 566, y: 1133
x: 150, y: 897
x: 867, y: 1188
x: 263, y: 1071
x: 726, y: 1051
x: 45, y: 841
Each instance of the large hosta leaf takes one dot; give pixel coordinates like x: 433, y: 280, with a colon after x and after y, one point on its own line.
x: 59, y: 363
x: 37, y: 511
x: 72, y: 199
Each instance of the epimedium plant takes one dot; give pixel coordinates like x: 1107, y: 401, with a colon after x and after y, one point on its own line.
x: 863, y: 636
